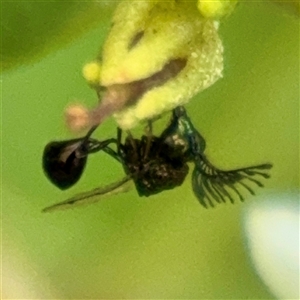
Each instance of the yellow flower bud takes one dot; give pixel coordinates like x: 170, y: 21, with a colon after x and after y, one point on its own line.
x: 91, y: 72
x: 158, y: 55
x: 216, y: 9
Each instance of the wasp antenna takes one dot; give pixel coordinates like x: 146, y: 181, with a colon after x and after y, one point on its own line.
x: 247, y: 188
x: 252, y: 172
x: 257, y: 182
x: 210, y: 189
x: 215, y: 187
x: 198, y: 189
x: 264, y: 166
x: 224, y: 191
x: 210, y: 182
x: 208, y: 194
x: 237, y: 192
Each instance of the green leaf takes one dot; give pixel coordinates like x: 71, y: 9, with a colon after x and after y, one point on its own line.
x: 30, y: 30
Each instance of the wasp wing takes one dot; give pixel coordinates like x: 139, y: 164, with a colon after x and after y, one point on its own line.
x: 212, y: 185
x: 93, y: 196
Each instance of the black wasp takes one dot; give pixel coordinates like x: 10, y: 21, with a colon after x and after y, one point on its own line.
x: 153, y: 163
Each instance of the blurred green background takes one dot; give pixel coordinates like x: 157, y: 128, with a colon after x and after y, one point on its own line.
x: 166, y: 246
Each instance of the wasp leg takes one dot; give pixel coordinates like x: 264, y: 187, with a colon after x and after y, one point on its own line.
x: 119, y: 140
x: 149, y: 135
x: 133, y: 144
x: 94, y: 145
x: 89, y: 133
x: 113, y: 154
x: 132, y: 141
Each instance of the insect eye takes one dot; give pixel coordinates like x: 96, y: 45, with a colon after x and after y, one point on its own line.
x: 64, y: 162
